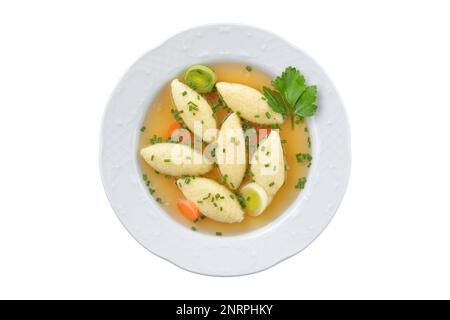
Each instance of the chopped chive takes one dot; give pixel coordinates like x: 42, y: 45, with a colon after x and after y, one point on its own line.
x: 215, y: 107
x: 248, y: 68
x: 218, y: 233
x: 303, y: 157
x: 263, y: 98
x: 155, y: 139
x: 153, y: 157
x: 271, y: 184
x: 192, y: 106
x: 145, y: 177
x: 143, y: 129
x: 193, y: 228
x: 184, y: 93
x: 166, y: 160
x: 268, y: 116
x: 301, y: 183
x: 256, y: 115
x: 159, y: 200
x: 209, y: 195
x: 275, y: 126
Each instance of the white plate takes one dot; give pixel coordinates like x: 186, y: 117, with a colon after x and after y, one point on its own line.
x: 151, y: 226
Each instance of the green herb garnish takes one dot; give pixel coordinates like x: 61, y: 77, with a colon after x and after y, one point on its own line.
x: 292, y: 97
x: 155, y: 139
x: 245, y: 125
x: 248, y: 68
x: 303, y: 157
x: 241, y: 200
x: 143, y: 129
x: 176, y: 114
x: 301, y: 183
x: 192, y: 106
x: 216, y: 107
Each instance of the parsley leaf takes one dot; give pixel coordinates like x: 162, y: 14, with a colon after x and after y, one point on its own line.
x: 306, y: 105
x: 275, y: 100
x: 292, y: 95
x: 291, y: 84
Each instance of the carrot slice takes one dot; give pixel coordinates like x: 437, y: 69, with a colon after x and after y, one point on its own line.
x: 188, y: 209
x: 263, y: 133
x: 176, y: 131
x: 173, y: 127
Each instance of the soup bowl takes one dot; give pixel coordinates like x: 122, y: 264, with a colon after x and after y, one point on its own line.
x: 150, y: 224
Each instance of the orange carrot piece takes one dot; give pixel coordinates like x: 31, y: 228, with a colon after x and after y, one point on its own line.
x: 173, y: 127
x: 189, y: 209
x: 178, y: 132
x: 263, y: 133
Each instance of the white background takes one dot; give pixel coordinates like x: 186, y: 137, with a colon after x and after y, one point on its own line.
x: 60, y: 60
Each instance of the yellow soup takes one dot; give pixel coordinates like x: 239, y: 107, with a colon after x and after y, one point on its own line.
x: 295, y: 141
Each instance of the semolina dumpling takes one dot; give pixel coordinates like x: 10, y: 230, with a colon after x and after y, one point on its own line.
x: 249, y: 103
x: 176, y: 159
x: 195, y: 111
x: 267, y: 164
x: 230, y: 151
x: 214, y: 200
